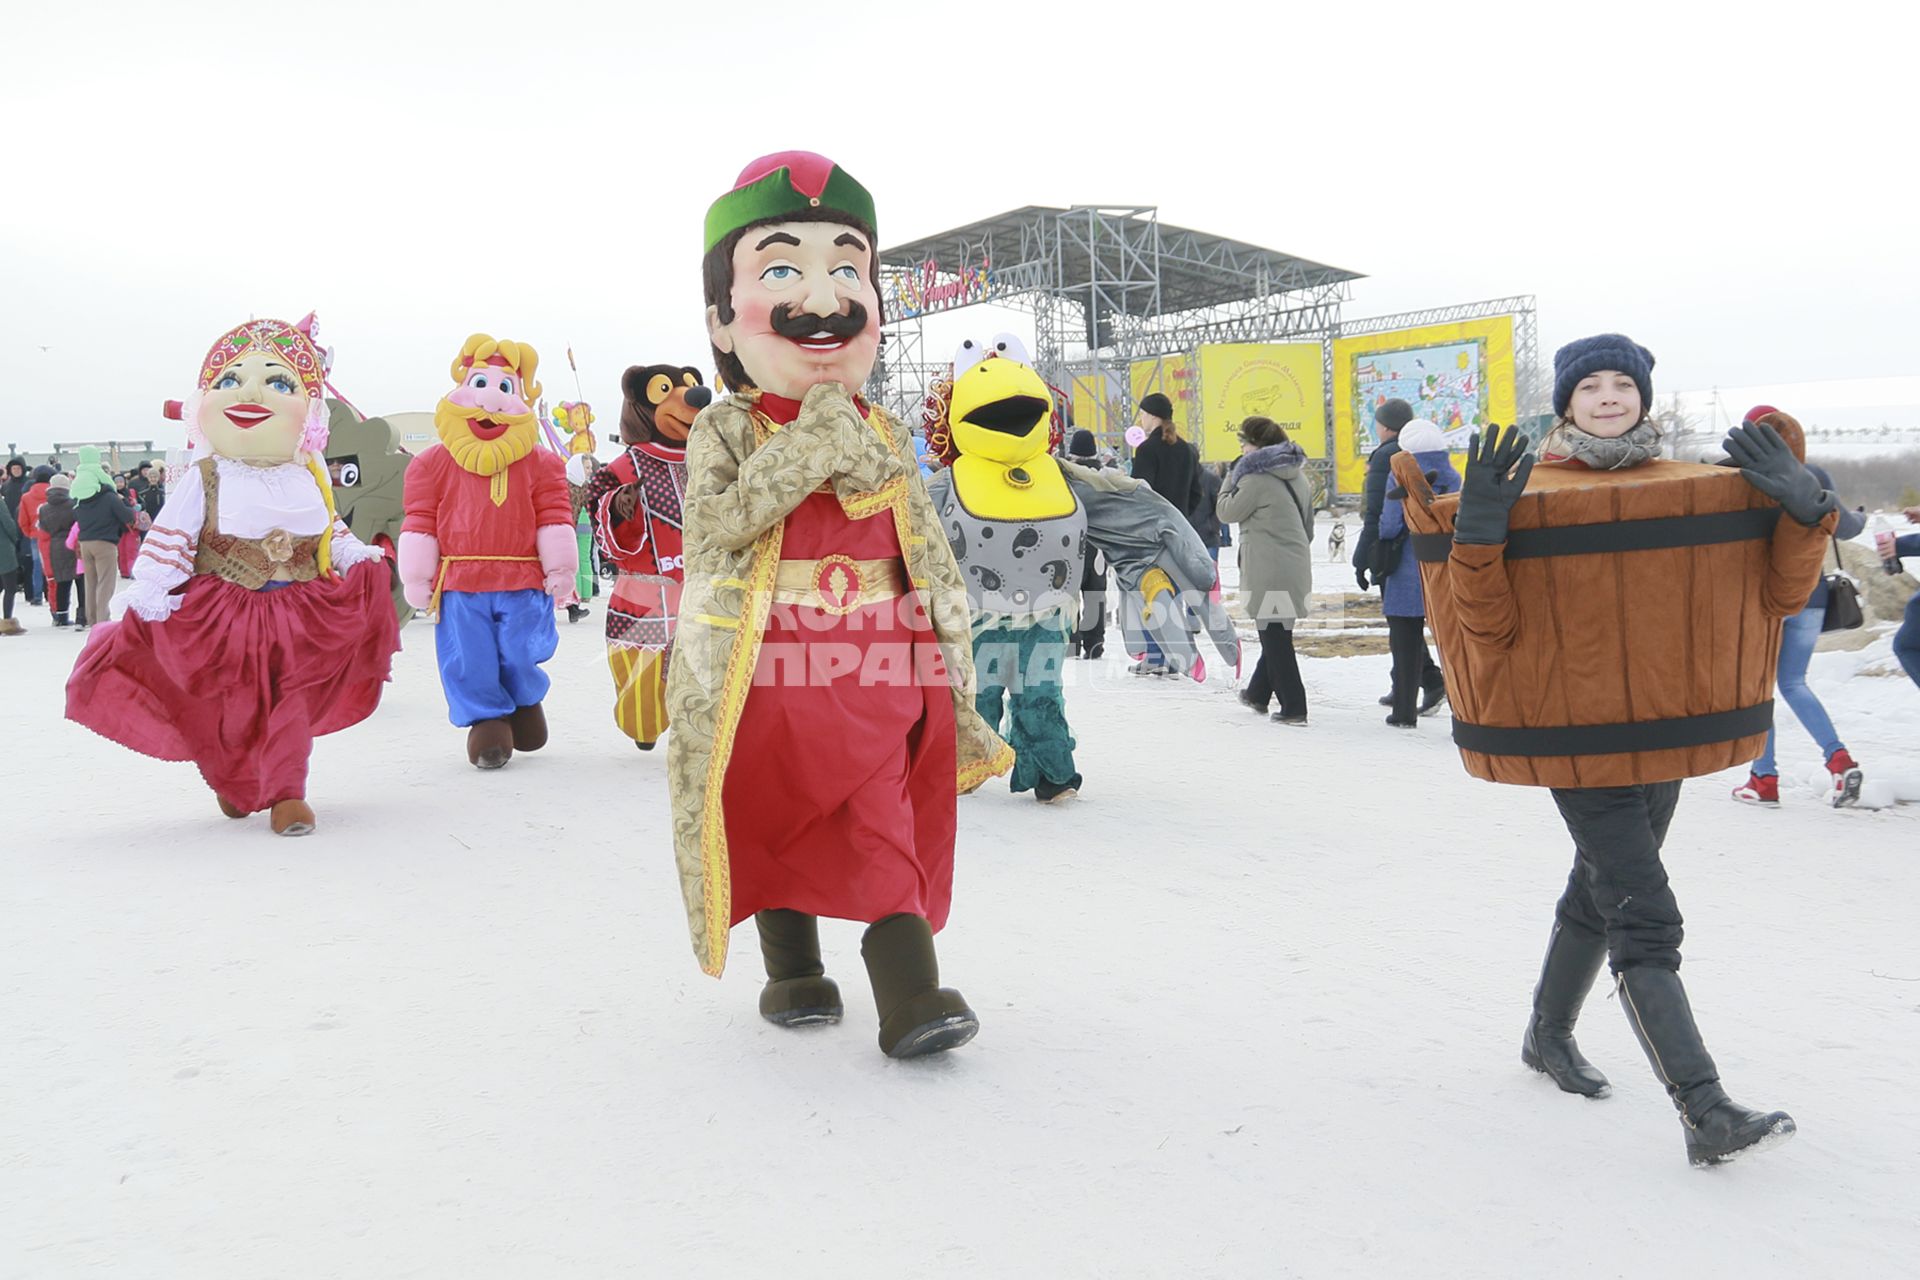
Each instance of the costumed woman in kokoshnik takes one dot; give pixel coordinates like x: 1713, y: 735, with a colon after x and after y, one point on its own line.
x: 488, y: 546
x: 254, y: 621
x: 635, y: 504
x: 1610, y: 622
x: 822, y: 682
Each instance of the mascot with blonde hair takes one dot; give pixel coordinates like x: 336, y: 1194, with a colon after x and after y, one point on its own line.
x: 488, y: 548
x: 255, y: 621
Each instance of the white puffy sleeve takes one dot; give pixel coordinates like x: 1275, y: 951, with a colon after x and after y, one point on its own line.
x: 166, y: 557
x: 348, y: 551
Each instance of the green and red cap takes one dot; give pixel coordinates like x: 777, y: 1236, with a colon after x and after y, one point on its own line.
x: 782, y: 185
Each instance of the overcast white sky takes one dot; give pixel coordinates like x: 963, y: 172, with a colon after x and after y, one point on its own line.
x: 1732, y: 185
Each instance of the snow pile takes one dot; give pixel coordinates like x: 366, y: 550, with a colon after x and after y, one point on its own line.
x: 1251, y: 1006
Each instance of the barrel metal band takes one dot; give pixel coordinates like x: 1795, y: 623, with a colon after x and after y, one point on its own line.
x: 1618, y: 535
x: 1614, y: 739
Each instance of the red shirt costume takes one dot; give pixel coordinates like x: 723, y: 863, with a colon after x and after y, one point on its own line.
x: 839, y: 794
x: 446, y: 501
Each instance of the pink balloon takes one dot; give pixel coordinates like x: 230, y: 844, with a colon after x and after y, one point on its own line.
x: 1136, y: 436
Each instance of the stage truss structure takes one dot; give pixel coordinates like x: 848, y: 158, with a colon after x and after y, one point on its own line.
x: 1107, y: 286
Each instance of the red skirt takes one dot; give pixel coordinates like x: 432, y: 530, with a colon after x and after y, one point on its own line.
x: 840, y: 794
x: 241, y: 682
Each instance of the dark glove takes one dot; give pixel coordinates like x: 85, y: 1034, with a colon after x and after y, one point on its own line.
x: 1497, y: 471
x: 1399, y: 491
x: 1361, y: 576
x: 1768, y: 465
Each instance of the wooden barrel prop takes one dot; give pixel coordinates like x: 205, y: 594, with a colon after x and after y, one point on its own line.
x: 1643, y: 652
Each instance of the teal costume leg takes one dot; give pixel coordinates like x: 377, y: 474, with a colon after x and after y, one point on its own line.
x: 996, y: 656
x: 1026, y: 664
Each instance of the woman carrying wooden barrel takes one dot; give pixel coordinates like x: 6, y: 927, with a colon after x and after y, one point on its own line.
x: 1609, y: 623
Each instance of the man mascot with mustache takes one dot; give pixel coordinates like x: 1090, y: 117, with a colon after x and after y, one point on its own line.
x: 822, y: 688
x: 488, y: 547
x: 634, y: 502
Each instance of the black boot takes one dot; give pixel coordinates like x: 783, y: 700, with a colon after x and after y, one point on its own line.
x: 798, y: 992
x: 1573, y: 962
x: 1718, y: 1128
x: 918, y: 1016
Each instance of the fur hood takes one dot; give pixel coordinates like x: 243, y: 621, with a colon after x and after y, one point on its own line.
x: 1273, y: 457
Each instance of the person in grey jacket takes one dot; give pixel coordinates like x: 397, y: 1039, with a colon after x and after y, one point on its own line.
x: 1269, y: 497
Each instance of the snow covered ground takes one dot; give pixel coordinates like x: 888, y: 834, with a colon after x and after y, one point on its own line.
x: 1251, y: 1006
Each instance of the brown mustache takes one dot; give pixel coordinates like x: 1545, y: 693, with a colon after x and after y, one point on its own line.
x: 845, y: 324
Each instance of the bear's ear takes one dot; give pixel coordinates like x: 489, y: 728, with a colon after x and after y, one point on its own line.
x: 633, y: 384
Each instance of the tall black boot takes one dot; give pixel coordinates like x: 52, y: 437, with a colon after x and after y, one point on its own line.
x: 1573, y: 961
x: 917, y: 1015
x: 798, y: 992
x: 1718, y: 1128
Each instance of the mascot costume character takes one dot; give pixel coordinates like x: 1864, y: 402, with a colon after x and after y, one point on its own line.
x: 635, y: 503
x: 488, y: 547
x: 822, y: 681
x: 1609, y: 622
x: 254, y: 621
x: 1018, y: 520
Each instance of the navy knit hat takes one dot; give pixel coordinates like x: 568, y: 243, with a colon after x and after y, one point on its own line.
x: 1157, y: 405
x: 1586, y: 356
x: 1393, y: 414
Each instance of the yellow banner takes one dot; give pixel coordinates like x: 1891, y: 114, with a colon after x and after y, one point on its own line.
x: 1458, y: 376
x: 1278, y: 380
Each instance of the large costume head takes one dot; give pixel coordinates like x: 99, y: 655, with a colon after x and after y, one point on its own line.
x: 792, y: 277
x: 994, y: 405
x: 575, y: 420
x: 487, y: 421
x: 661, y: 402
x: 262, y: 393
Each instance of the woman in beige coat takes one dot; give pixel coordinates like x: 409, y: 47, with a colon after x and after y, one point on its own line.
x: 1268, y: 496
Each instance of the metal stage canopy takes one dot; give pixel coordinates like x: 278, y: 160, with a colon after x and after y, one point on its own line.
x: 1106, y: 286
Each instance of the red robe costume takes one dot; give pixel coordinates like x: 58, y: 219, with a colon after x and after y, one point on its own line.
x: 839, y: 794
x: 646, y: 597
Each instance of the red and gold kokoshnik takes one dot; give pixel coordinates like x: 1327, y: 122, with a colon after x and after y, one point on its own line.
x: 291, y: 343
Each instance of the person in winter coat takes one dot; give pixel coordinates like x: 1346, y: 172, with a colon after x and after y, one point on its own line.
x: 35, y: 572
x: 1171, y: 468
x: 1906, y: 641
x: 1269, y: 497
x: 12, y: 492
x: 1615, y: 763
x: 1206, y: 517
x: 1090, y: 637
x: 1169, y: 465
x: 103, y: 515
x: 1797, y: 638
x: 56, y: 516
x: 14, y: 487
x: 1388, y: 419
x: 1418, y: 686
x: 10, y: 564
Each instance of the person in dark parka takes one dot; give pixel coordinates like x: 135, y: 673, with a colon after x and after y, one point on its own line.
x: 1089, y: 638
x: 1388, y: 419
x: 55, y: 516
x: 1171, y: 468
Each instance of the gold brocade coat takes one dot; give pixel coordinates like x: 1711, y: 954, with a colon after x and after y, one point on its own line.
x: 744, y: 476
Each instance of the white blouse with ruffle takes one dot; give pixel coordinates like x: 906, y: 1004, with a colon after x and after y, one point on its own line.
x: 254, y: 501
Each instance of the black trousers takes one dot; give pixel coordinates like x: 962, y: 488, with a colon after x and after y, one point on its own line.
x: 9, y: 587
x: 60, y: 591
x: 1618, y: 886
x: 1278, y: 672
x: 1413, y: 666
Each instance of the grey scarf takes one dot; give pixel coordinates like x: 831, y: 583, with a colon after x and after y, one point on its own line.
x: 1567, y: 442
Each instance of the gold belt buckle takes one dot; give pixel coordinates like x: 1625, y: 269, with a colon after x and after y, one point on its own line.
x: 840, y: 584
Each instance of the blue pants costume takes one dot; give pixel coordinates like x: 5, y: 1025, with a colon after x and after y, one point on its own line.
x: 1018, y: 670
x: 490, y: 645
